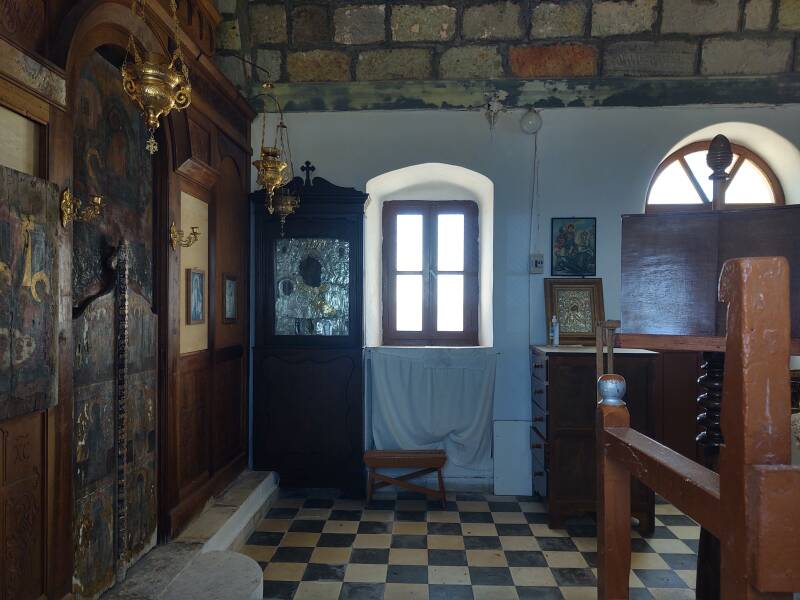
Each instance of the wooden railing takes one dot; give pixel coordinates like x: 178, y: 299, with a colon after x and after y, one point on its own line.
x: 753, y: 504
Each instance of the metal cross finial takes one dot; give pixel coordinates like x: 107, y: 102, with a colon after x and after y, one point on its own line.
x: 308, y: 169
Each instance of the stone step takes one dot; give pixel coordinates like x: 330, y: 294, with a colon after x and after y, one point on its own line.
x: 230, y: 518
x: 201, y: 562
x: 217, y: 575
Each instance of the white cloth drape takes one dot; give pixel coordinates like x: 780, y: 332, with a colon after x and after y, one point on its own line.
x: 424, y: 398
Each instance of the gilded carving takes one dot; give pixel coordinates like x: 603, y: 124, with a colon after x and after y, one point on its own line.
x: 30, y: 279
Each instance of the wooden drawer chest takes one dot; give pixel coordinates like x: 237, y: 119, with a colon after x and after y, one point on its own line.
x: 563, y: 404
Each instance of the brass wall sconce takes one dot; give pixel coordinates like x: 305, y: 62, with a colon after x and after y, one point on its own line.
x: 71, y: 208
x: 176, y: 237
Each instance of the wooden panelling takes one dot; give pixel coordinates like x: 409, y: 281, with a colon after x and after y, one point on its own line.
x: 232, y: 250
x: 24, y: 22
x: 681, y: 285
x: 671, y: 264
x: 308, y: 416
x: 23, y: 506
x: 228, y: 432
x: 193, y: 411
x: 207, y: 426
x: 677, y: 374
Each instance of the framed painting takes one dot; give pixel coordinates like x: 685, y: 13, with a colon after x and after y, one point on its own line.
x: 578, y: 305
x: 195, y: 296
x: 229, y: 298
x: 573, y: 247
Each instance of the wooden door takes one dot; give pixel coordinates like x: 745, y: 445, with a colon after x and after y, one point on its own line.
x: 29, y: 284
x: 114, y: 334
x: 307, y: 398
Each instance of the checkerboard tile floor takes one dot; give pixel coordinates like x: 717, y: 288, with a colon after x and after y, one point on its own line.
x: 316, y: 545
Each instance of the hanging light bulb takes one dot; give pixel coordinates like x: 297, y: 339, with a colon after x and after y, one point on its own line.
x: 157, y: 85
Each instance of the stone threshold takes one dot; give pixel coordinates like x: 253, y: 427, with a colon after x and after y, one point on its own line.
x: 202, y: 562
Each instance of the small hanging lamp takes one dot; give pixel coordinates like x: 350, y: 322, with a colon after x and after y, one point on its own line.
x: 155, y: 84
x: 274, y: 167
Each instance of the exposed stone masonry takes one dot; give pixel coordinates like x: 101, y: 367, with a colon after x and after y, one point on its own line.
x: 528, y: 39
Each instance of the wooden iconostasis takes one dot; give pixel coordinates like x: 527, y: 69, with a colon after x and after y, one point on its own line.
x: 93, y: 329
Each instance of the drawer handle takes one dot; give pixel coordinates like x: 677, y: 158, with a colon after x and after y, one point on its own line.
x: 538, y: 473
x: 538, y: 366
x: 538, y: 392
x: 537, y: 446
x: 538, y: 419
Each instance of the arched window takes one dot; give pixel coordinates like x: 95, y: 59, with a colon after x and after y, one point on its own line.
x: 421, y: 196
x: 681, y: 181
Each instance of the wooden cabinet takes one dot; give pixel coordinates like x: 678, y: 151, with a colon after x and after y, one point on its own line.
x: 563, y: 407
x: 307, y: 397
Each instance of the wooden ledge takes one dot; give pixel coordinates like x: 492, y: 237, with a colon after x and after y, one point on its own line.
x: 405, y: 458
x: 688, y: 485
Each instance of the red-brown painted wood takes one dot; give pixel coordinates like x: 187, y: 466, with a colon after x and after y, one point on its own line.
x: 752, y: 506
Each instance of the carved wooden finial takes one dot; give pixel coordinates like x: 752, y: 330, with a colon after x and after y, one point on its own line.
x: 308, y: 169
x: 612, y: 389
x: 719, y: 157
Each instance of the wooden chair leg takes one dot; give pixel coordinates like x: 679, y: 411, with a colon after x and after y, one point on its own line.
x: 370, y: 484
x: 441, y: 490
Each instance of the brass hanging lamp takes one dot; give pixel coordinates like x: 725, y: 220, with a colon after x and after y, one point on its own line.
x: 274, y: 165
x: 156, y: 84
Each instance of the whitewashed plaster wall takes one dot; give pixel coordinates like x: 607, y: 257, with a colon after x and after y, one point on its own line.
x: 591, y: 162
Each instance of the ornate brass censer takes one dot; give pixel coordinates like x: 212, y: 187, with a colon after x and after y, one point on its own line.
x: 155, y: 84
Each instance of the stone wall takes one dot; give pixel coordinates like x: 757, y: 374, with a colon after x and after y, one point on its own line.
x: 527, y: 39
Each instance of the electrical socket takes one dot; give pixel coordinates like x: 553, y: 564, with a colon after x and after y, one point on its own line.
x: 537, y: 264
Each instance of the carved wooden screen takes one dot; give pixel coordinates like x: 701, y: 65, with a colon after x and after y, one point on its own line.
x: 29, y: 280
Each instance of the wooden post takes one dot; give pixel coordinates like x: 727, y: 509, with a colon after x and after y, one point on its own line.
x: 613, y: 496
x: 755, y: 409
x: 718, y: 159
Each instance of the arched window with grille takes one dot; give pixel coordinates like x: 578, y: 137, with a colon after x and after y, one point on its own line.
x: 681, y: 181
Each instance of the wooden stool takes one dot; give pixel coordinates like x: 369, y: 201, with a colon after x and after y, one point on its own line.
x: 426, y: 461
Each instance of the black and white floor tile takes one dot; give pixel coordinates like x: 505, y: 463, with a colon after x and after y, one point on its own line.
x: 314, y: 545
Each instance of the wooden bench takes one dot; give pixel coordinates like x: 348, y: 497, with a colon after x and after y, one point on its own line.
x: 750, y: 506
x: 425, y: 461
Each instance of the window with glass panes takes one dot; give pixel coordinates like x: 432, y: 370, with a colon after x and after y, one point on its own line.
x: 681, y: 181
x: 430, y: 273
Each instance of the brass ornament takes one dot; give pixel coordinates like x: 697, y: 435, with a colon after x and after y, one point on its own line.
x: 274, y: 166
x: 71, y: 209
x: 284, y: 203
x: 271, y: 172
x: 156, y: 84
x: 177, y: 238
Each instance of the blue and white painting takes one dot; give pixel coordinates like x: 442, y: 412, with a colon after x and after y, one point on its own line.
x: 574, y: 247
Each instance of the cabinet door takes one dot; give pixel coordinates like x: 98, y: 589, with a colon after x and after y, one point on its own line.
x: 572, y: 392
x: 573, y: 469
x: 573, y: 395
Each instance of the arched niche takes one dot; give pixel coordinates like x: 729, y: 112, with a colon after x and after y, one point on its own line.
x: 428, y: 181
